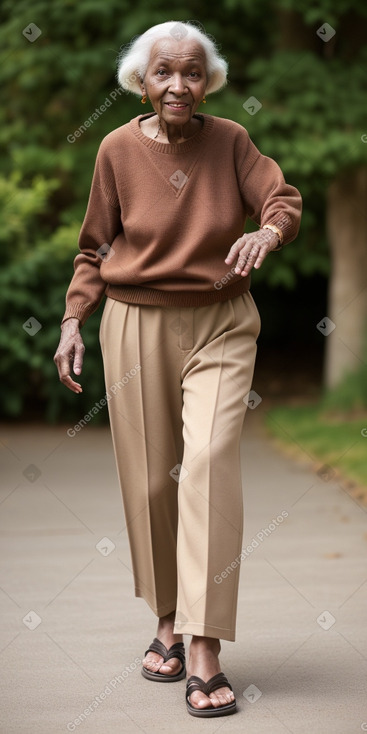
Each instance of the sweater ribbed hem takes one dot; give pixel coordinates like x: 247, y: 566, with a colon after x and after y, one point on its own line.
x: 154, y: 297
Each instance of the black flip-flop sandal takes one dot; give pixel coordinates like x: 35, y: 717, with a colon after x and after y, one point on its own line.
x: 219, y: 680
x: 176, y: 651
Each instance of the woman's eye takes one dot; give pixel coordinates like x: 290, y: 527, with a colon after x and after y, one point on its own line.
x: 192, y: 74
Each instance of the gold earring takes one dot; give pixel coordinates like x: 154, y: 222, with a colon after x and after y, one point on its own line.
x: 144, y: 99
x: 204, y: 100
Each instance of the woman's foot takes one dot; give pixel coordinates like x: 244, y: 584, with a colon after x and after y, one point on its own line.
x: 153, y: 661
x: 203, y: 662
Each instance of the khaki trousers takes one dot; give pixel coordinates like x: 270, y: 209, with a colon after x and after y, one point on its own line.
x: 175, y: 381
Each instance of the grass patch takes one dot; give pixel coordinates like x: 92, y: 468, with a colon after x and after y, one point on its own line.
x: 309, y: 433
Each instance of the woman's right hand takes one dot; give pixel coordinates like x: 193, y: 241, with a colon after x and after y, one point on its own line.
x: 70, y: 352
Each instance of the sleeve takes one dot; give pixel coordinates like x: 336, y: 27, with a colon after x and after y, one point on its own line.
x: 268, y: 198
x: 102, y: 223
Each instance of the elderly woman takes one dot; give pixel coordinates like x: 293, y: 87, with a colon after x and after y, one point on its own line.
x: 163, y: 238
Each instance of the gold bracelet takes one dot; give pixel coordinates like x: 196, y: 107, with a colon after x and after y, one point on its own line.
x: 277, y: 231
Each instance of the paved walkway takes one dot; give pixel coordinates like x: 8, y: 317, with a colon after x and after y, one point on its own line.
x: 72, y: 633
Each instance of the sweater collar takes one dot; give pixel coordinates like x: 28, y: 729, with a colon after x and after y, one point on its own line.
x: 189, y: 144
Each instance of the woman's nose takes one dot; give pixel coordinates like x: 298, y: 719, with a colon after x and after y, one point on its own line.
x: 178, y: 84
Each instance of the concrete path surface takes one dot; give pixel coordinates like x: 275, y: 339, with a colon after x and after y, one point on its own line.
x: 73, y: 634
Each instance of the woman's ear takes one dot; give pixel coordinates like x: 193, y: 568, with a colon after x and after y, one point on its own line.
x: 141, y: 85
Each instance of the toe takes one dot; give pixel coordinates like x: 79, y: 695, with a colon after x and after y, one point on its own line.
x: 152, y: 661
x: 199, y: 700
x: 221, y: 697
x: 171, y: 667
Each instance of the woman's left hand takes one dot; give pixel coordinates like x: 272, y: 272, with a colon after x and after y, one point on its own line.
x: 251, y: 250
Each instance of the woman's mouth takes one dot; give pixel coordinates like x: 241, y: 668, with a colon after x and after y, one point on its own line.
x: 177, y: 106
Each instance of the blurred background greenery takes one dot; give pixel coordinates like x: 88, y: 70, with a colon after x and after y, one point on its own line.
x: 306, y: 63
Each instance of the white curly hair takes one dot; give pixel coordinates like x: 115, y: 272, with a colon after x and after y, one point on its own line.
x: 134, y: 58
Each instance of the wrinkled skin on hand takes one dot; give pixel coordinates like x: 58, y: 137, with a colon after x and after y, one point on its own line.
x: 250, y: 250
x: 69, y: 354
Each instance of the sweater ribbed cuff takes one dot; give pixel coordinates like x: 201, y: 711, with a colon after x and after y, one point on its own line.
x: 285, y: 224
x: 79, y: 311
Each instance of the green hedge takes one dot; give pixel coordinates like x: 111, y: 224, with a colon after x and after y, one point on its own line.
x: 34, y: 286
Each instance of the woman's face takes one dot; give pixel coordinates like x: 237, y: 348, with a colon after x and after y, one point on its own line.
x: 176, y: 79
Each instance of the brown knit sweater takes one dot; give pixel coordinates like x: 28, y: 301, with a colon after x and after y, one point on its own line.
x: 162, y: 217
